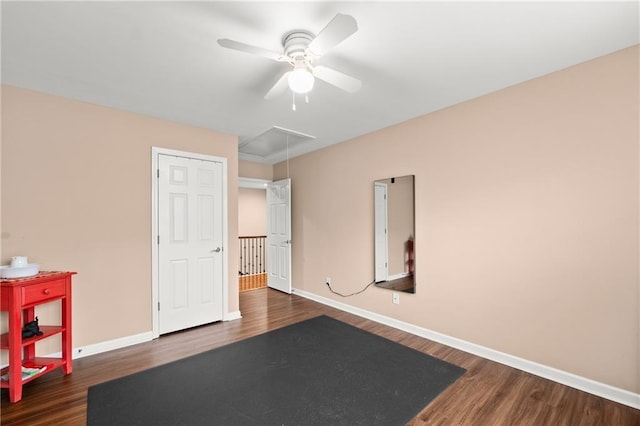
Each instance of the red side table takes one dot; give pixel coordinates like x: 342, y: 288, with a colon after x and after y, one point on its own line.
x: 19, y: 297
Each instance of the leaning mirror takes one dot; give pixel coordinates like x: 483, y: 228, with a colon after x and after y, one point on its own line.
x: 394, y: 233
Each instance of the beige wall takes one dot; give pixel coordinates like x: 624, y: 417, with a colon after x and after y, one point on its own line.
x: 250, y: 169
x: 252, y: 212
x: 76, y: 195
x: 1, y: 234
x: 526, y: 219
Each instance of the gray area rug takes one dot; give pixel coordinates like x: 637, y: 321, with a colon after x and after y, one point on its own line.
x: 317, y: 372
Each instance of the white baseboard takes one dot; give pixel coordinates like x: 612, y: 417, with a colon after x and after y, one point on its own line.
x: 109, y: 345
x: 97, y: 348
x: 123, y: 342
x: 578, y: 382
x: 231, y: 316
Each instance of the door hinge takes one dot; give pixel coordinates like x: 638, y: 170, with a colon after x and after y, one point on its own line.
x: 158, y: 173
x: 158, y: 305
x: 158, y: 239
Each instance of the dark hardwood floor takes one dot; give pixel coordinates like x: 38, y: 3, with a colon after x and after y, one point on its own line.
x: 488, y: 394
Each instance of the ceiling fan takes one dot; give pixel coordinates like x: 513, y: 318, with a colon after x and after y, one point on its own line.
x: 301, y: 49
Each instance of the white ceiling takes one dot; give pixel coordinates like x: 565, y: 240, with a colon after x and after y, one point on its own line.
x: 161, y: 58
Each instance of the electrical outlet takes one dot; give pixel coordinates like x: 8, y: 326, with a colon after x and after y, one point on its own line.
x: 395, y: 297
x: 327, y: 281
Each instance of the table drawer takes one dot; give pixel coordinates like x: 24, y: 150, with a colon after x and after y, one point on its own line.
x: 39, y: 292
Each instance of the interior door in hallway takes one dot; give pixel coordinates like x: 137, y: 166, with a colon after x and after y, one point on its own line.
x: 279, y: 235
x: 190, y: 224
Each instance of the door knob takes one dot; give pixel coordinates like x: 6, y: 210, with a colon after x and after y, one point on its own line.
x: 217, y: 250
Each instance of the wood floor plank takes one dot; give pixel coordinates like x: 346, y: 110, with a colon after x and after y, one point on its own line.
x: 487, y: 394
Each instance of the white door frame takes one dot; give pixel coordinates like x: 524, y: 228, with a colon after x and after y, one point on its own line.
x: 155, y: 152
x: 381, y: 212
x: 252, y: 183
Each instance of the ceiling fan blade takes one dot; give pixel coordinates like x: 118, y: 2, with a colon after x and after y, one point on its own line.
x: 338, y: 79
x: 280, y: 86
x: 340, y: 27
x: 247, y: 48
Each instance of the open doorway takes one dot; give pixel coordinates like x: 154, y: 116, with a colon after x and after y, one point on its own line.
x: 252, y: 231
x: 264, y: 256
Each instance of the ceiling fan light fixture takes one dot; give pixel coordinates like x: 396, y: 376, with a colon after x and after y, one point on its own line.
x: 301, y: 80
x: 301, y: 49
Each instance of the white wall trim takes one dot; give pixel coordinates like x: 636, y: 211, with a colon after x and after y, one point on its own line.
x: 122, y: 342
x: 109, y: 345
x: 252, y: 183
x: 97, y: 348
x: 569, y: 379
x: 232, y: 316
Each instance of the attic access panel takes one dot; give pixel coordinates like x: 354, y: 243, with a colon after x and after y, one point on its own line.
x: 272, y: 141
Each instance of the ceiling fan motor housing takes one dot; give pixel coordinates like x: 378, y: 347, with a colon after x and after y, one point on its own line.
x: 295, y: 43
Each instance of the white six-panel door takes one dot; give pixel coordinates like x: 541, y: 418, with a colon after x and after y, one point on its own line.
x: 190, y: 225
x: 279, y: 235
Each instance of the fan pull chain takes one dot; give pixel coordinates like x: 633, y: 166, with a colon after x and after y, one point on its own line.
x: 293, y: 107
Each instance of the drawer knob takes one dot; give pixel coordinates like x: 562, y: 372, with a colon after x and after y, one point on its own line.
x: 46, y: 291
